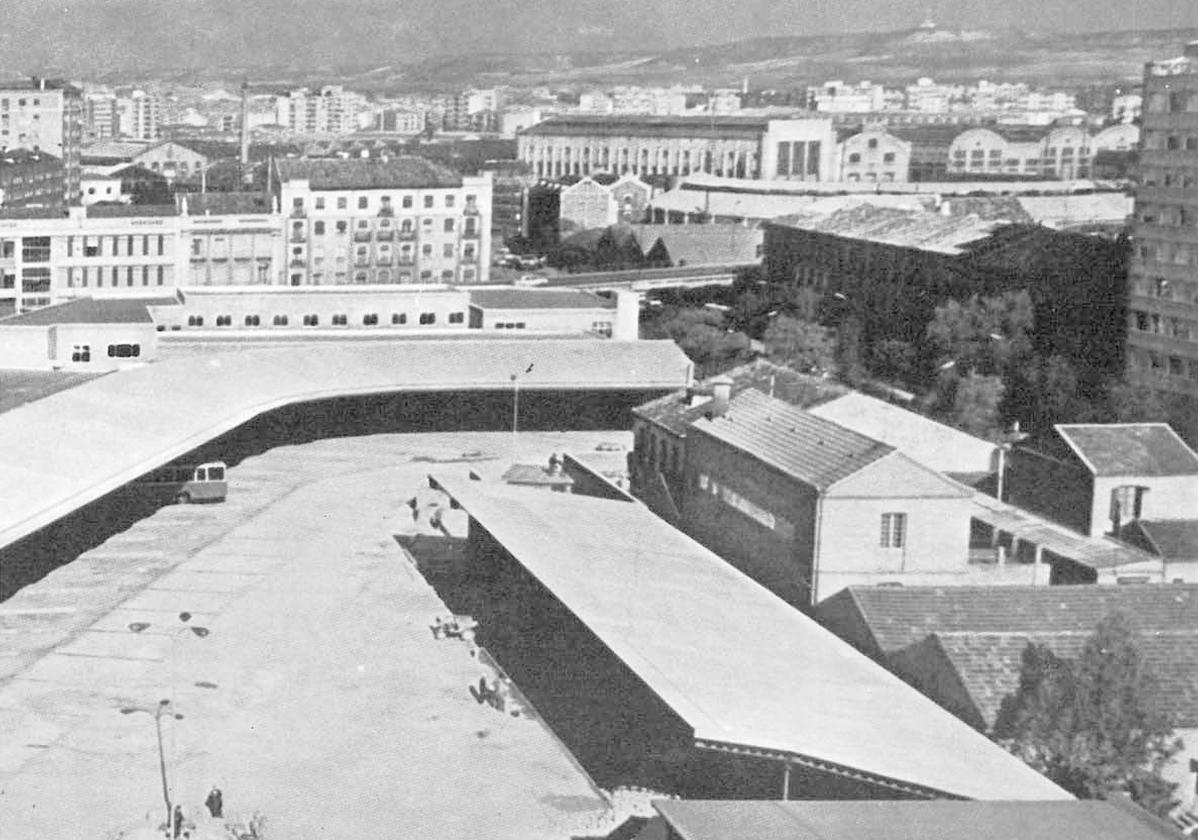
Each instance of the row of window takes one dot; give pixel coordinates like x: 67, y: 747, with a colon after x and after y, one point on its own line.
x: 117, y: 275
x: 1165, y: 364
x: 887, y: 157
x: 1157, y: 324
x: 118, y: 246
x: 82, y: 353
x: 1167, y: 214
x: 381, y: 276
x: 1170, y: 142
x: 384, y: 229
x: 384, y: 204
x: 370, y: 319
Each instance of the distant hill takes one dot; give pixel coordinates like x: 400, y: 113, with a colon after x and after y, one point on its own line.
x: 404, y: 43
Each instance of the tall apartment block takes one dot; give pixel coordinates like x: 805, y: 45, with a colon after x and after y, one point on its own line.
x: 1163, y: 273
x: 404, y: 220
x: 45, y: 115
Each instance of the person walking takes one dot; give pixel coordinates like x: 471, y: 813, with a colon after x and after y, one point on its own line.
x: 178, y: 820
x: 215, y: 803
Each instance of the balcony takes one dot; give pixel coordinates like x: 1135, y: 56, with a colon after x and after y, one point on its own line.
x: 297, y: 264
x: 386, y: 211
x: 299, y: 213
x: 472, y: 210
x: 299, y: 236
x: 469, y: 258
x: 406, y: 259
x: 385, y: 235
x: 362, y: 261
x: 471, y: 234
x: 406, y: 235
x: 361, y: 236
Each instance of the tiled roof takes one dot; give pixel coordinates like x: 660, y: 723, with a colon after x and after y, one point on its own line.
x: 982, y: 631
x: 988, y: 666
x: 19, y: 157
x: 538, y: 299
x: 89, y: 311
x: 114, y: 211
x: 1175, y: 539
x: 991, y: 207
x: 1112, y: 449
x: 901, y: 616
x: 898, y: 820
x: 675, y: 413
x: 396, y: 173
x: 217, y: 204
x: 703, y: 244
x: 917, y: 230
x: 113, y: 150
x: 815, y: 451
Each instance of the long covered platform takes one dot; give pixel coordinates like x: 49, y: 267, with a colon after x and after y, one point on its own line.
x: 71, y: 448
x: 741, y: 672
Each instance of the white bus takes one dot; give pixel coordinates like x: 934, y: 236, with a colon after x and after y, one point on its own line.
x: 185, y: 484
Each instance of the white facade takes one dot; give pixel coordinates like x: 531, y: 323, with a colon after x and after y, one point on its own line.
x: 98, y: 188
x: 138, y: 116
x: 331, y: 110
x: 398, y: 234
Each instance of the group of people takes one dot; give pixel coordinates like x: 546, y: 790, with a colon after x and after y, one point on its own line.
x: 181, y: 827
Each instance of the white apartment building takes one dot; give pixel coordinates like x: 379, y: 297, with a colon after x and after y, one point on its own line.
x: 138, y: 116
x: 42, y: 115
x: 330, y: 110
x: 403, y: 220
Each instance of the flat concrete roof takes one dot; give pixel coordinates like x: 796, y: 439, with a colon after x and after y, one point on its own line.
x: 737, y: 664
x: 71, y: 448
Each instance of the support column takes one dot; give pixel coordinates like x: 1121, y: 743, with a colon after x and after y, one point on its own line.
x: 1037, y: 562
x: 786, y: 781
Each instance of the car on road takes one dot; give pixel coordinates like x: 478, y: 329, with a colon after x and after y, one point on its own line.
x: 532, y: 280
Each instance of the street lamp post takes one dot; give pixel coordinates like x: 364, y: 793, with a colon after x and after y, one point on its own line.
x: 516, y: 409
x: 164, y: 707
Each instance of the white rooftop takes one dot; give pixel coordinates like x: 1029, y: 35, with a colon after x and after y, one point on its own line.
x: 736, y: 663
x: 68, y: 449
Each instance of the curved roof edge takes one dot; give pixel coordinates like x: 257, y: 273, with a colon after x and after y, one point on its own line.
x: 71, y: 448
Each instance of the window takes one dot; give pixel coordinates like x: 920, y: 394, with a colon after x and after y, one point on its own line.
x: 124, y: 351
x: 342, y: 227
x: 449, y: 225
x: 195, y: 320
x: 280, y: 321
x: 407, y: 201
x: 224, y: 320
x: 888, y: 157
x: 449, y: 200
x: 426, y: 249
x: 399, y: 318
x: 35, y: 249
x: 855, y: 157
x: 297, y: 204
x: 428, y: 202
x: 320, y: 202
x: 894, y: 530
x: 370, y: 320
x: 457, y: 317
x: 447, y: 250
x: 427, y: 318
x: 447, y: 275
x: 252, y: 321
x: 342, y: 203
x: 363, y: 202
x: 311, y: 320
x: 340, y: 321
x: 318, y: 228
x: 81, y: 353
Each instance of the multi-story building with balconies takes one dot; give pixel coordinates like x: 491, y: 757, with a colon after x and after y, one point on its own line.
x: 1163, y: 272
x: 44, y: 115
x: 402, y: 220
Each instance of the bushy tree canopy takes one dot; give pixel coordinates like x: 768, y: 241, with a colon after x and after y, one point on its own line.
x: 1094, y: 726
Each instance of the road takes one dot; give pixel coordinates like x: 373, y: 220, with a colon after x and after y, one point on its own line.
x: 319, y: 698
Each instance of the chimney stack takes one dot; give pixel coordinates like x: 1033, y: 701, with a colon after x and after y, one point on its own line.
x: 1191, y: 50
x: 721, y: 394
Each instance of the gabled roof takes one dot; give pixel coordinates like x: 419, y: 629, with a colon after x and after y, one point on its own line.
x: 1131, y: 449
x: 901, y: 616
x: 703, y: 244
x: 218, y: 203
x: 675, y: 412
x: 916, y: 230
x: 922, y: 439
x: 898, y: 820
x: 815, y: 451
x: 980, y: 632
x: 89, y: 311
x: 1173, y: 539
x: 398, y: 173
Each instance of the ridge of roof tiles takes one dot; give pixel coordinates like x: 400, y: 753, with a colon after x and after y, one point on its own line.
x: 407, y: 172
x: 1110, y: 449
x: 817, y: 452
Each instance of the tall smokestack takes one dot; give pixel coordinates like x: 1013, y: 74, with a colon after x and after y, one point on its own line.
x: 246, y: 174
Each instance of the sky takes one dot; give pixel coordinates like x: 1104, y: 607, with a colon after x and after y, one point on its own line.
x: 103, y: 33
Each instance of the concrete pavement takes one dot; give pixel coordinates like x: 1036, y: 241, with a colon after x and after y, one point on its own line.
x: 319, y: 698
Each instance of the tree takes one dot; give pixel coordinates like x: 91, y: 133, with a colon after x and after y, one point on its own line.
x: 1094, y: 726
x: 971, y: 403
x: 1130, y: 402
x: 987, y: 334
x: 849, y: 366
x: 802, y: 345
x: 702, y: 335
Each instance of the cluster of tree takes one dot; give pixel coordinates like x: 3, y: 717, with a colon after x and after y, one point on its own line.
x: 1093, y: 725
